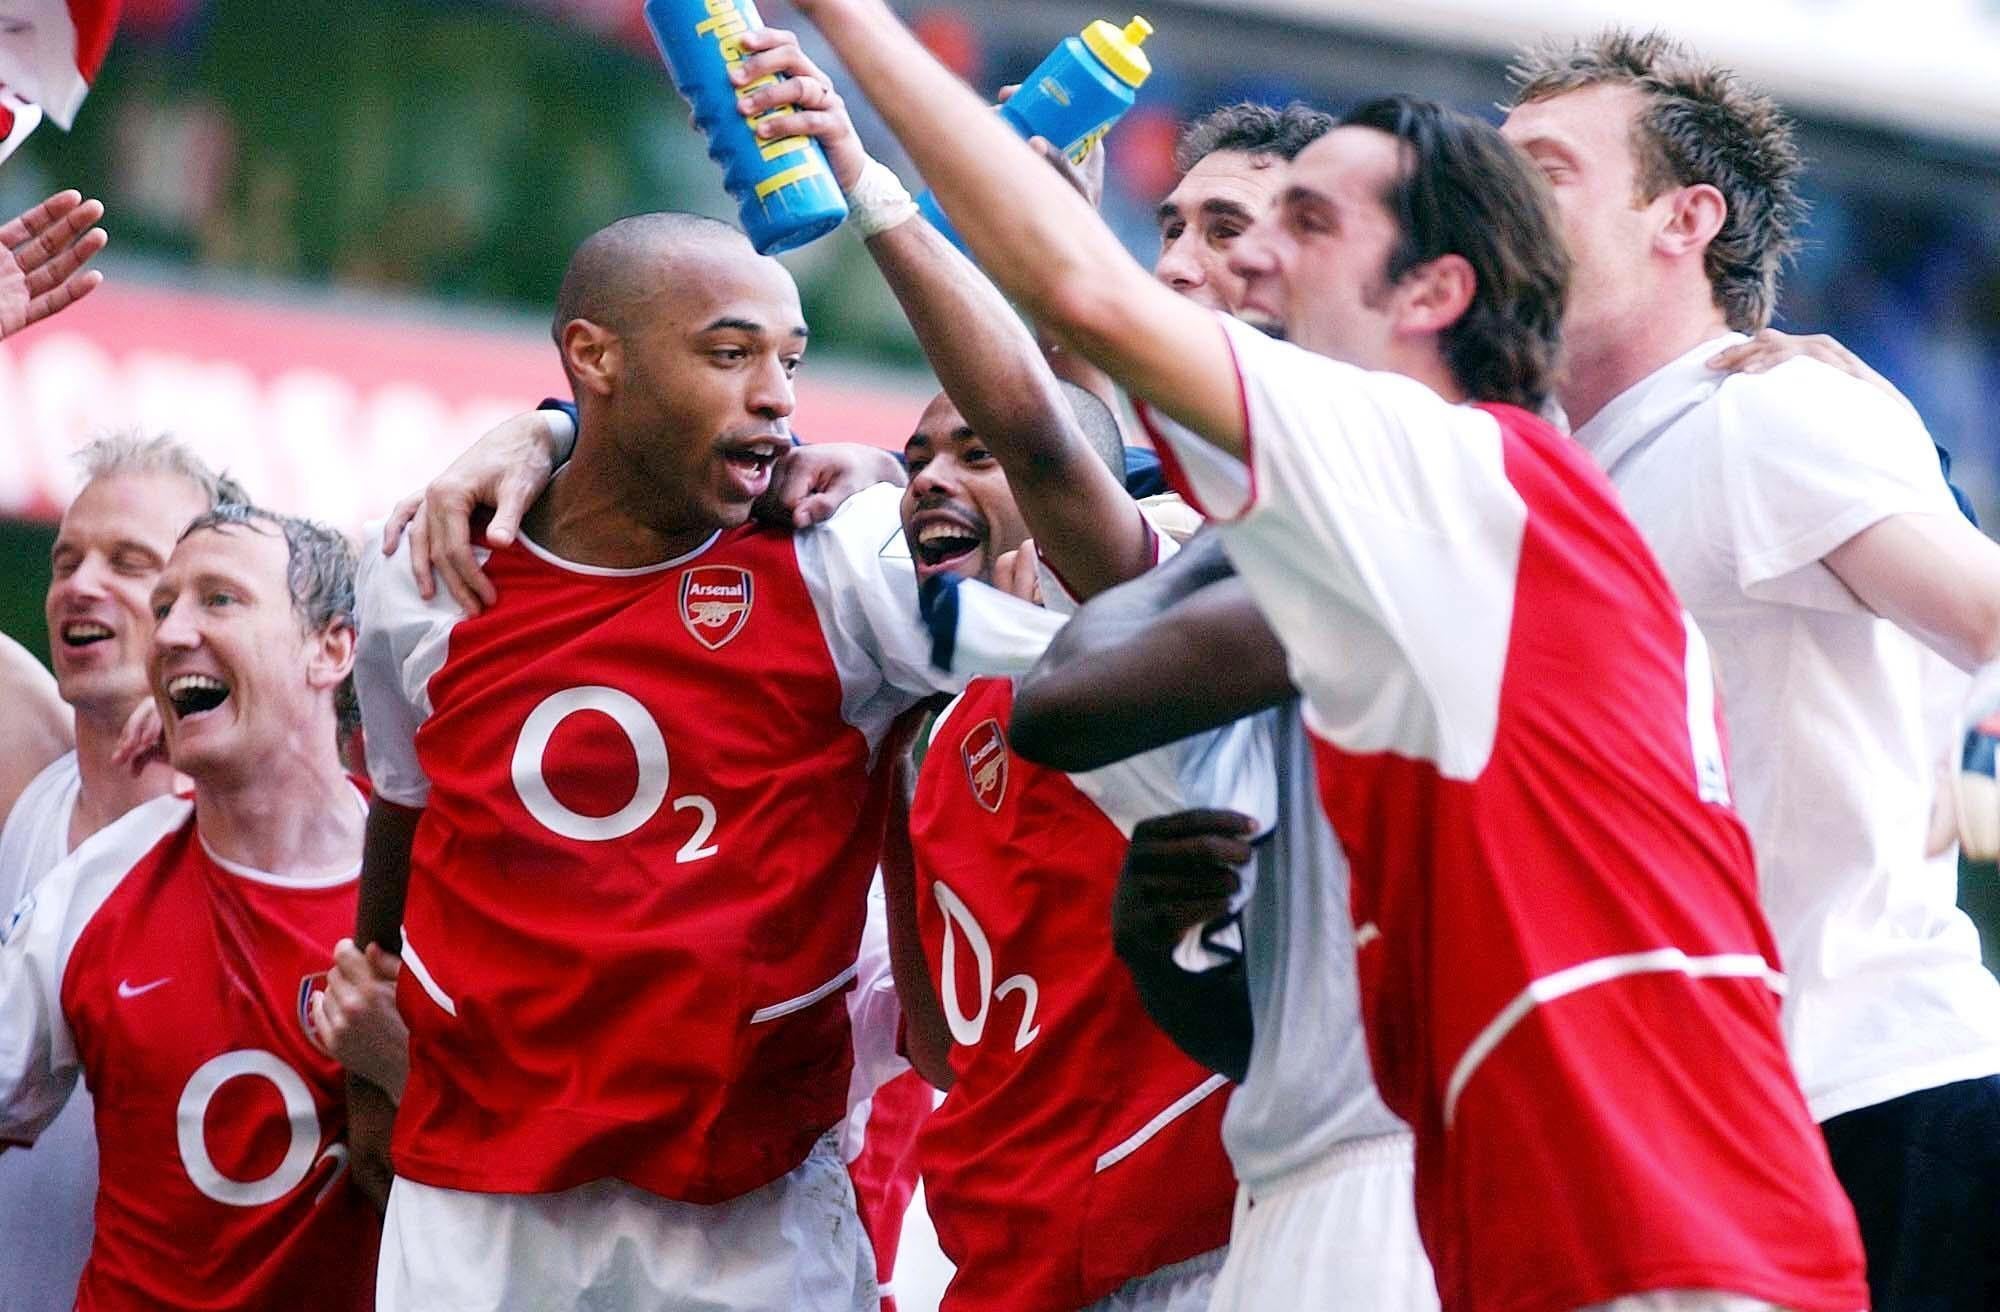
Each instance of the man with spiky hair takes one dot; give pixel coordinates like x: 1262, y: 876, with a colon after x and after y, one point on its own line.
x: 63, y: 778
x: 163, y: 961
x: 1802, y: 518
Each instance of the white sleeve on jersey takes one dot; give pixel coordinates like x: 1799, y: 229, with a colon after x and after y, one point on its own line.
x: 1376, y: 527
x: 39, y: 1063
x: 402, y: 644
x: 1810, y: 457
x: 857, y: 565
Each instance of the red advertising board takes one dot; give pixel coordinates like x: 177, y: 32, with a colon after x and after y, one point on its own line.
x: 331, y: 411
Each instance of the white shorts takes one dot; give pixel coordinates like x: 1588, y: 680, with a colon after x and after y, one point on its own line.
x: 795, y: 1244
x: 1183, y: 1287
x: 1340, y: 1232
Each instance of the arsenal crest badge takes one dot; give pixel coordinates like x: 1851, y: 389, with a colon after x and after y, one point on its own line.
x: 309, y: 985
x: 985, y: 753
x: 715, y: 603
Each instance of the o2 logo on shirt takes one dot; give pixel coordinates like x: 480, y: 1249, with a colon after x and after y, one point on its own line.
x: 649, y: 745
x: 985, y: 753
x: 968, y: 1030
x: 301, y: 1159
x: 715, y: 603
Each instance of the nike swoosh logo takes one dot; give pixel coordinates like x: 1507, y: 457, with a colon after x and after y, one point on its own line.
x: 125, y: 989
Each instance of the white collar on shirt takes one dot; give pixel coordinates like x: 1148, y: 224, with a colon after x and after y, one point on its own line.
x: 1648, y: 406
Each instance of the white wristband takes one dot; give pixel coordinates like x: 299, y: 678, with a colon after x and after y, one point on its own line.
x: 878, y: 201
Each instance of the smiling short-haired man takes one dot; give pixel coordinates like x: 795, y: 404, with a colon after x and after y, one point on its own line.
x: 63, y: 778
x: 635, y: 808
x: 164, y: 961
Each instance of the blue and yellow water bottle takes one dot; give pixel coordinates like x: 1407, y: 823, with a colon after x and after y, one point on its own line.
x: 1075, y: 95
x: 785, y: 192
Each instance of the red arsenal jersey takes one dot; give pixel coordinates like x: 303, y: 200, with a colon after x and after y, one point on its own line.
x: 1570, y: 991
x: 172, y: 981
x: 1078, y: 1148
x: 637, y: 889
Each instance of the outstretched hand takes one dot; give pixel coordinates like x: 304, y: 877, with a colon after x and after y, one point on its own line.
x: 42, y: 254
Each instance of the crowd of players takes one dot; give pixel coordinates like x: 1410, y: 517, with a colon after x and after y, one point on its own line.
x: 1330, y: 886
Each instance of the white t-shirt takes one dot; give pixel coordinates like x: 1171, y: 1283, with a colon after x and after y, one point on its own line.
x: 1838, y: 720
x: 46, y: 1194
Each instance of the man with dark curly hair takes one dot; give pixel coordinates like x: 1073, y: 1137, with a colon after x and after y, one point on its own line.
x: 1802, y: 518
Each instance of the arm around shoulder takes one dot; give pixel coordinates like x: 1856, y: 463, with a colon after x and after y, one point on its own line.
x: 1175, y: 652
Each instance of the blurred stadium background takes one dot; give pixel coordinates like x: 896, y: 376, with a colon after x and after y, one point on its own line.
x: 337, y: 228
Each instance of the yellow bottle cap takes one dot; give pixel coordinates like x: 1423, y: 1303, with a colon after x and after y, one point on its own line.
x: 1119, y: 51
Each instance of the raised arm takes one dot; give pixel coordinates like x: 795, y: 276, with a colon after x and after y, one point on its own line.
x: 42, y: 254
x: 38, y: 727
x: 1175, y: 652
x: 1038, y: 239
x: 984, y: 356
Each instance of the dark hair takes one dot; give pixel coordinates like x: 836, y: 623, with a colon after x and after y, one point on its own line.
x: 1701, y: 124
x: 1098, y: 424
x: 1466, y: 192
x: 319, y: 575
x: 1253, y: 129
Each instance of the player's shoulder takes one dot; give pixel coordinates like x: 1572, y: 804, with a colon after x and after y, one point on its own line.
x: 1517, y: 424
x: 867, y: 524
x: 122, y: 844
x: 83, y: 880
x: 877, y: 506
x: 1805, y: 398
x: 386, y: 592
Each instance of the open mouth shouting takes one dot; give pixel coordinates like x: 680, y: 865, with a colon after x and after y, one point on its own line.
x: 195, y: 694
x: 944, y: 542
x: 749, y: 462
